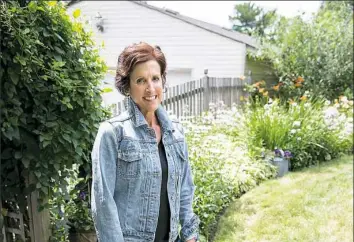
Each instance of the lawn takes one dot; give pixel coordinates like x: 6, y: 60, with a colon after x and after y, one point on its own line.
x: 314, y: 204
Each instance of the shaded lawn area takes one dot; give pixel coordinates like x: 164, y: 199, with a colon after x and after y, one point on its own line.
x: 314, y: 204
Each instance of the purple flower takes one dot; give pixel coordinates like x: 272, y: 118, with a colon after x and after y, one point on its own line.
x: 82, y: 195
x: 61, y: 213
x: 279, y: 152
x: 287, y: 154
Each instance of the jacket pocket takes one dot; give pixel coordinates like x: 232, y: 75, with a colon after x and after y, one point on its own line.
x: 129, y: 159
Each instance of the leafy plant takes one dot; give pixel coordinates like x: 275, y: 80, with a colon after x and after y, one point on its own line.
x: 50, y: 99
x: 314, y: 56
x: 78, y: 208
x: 221, y: 166
x: 302, y: 127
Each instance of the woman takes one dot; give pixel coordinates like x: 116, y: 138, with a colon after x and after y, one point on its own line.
x: 142, y: 180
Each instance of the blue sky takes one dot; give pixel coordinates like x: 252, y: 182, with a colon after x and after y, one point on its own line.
x: 217, y: 12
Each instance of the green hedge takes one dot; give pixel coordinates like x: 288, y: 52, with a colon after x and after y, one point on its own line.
x: 50, y: 98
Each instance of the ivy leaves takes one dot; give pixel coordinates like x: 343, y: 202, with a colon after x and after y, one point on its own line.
x: 50, y: 106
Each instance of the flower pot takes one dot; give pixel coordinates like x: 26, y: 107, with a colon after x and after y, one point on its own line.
x: 83, y: 237
x: 282, y: 164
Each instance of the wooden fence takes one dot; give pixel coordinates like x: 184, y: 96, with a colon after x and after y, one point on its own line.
x: 193, y: 98
x: 31, y: 226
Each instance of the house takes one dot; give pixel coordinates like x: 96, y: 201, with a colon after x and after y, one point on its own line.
x: 190, y: 45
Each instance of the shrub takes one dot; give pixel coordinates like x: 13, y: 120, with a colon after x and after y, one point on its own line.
x: 315, y: 55
x: 306, y: 128
x: 221, y: 167
x: 78, y: 208
x: 50, y: 99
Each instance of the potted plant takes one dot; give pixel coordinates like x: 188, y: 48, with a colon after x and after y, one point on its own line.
x: 282, y: 161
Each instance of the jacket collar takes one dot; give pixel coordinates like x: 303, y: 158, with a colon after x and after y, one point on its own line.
x: 139, y: 119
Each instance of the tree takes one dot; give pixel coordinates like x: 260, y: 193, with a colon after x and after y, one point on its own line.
x: 314, y: 57
x: 251, y: 19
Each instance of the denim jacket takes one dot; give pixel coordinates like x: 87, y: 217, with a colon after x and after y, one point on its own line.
x: 127, y: 179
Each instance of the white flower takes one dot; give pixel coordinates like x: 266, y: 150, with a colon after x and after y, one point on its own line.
x: 345, y: 105
x: 307, y: 105
x: 328, y: 157
x: 331, y: 112
x: 344, y: 99
x: 294, y: 104
x: 296, y: 124
x: 327, y: 103
x: 293, y: 131
x: 298, y: 138
x: 267, y: 106
x: 342, y: 118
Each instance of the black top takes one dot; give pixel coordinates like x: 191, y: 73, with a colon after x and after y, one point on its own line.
x: 163, y: 224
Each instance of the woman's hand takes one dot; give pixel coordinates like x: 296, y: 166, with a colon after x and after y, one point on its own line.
x: 191, y: 240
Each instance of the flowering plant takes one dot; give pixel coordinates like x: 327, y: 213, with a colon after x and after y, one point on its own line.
x: 78, y: 209
x: 283, y: 154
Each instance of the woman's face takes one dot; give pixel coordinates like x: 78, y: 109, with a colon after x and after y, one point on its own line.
x: 146, y: 87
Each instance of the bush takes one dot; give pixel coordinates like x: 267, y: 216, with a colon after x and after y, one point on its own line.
x: 314, y: 56
x: 311, y: 131
x: 221, y: 167
x: 50, y: 98
x: 229, y: 149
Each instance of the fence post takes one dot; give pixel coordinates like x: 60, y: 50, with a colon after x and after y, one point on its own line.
x: 206, y: 86
x: 178, y: 100
x: 40, y: 220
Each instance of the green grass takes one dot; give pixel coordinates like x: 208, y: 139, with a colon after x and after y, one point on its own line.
x: 314, y: 204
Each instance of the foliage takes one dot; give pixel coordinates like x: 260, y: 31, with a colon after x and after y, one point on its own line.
x: 251, y: 19
x: 222, y: 169
x: 311, y: 131
x: 314, y: 56
x: 71, y: 212
x: 230, y: 149
x: 78, y: 208
x: 50, y: 98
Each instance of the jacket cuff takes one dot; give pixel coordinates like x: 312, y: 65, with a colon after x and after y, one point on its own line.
x: 190, y: 229
x: 193, y: 236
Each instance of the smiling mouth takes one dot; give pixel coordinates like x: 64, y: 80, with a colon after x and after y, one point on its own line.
x: 151, y: 98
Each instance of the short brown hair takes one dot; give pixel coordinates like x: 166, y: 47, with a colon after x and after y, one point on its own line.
x: 133, y: 55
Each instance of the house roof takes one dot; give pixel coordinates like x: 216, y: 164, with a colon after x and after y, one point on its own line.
x: 228, y: 33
